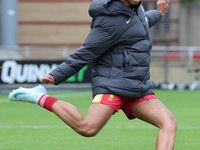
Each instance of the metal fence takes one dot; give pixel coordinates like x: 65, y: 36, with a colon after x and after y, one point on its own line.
x: 176, y: 52
x: 45, y: 52
x: 169, y: 64
x: 35, y: 52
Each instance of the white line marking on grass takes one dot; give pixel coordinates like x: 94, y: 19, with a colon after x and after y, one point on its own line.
x: 4, y: 101
x: 68, y: 94
x: 33, y: 127
x: 62, y: 127
x: 107, y: 127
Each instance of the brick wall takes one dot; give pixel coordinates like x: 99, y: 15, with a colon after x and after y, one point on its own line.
x: 53, y: 22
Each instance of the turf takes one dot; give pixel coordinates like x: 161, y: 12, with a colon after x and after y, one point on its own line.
x: 26, y: 126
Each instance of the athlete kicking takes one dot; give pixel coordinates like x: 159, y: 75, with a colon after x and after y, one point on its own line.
x: 119, y: 46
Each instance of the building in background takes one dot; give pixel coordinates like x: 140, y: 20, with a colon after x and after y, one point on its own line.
x: 189, y: 30
x: 53, y: 22
x: 67, y: 23
x: 166, y: 32
x: 9, y: 22
x: 59, y: 24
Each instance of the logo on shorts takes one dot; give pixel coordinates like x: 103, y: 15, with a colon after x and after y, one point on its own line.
x: 111, y: 97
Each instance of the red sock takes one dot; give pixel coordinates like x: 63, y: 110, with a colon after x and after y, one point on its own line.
x: 47, y: 101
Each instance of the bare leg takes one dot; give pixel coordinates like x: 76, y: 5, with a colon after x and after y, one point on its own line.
x: 98, y: 115
x: 154, y: 112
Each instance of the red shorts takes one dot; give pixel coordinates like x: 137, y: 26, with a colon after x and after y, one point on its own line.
x: 123, y: 103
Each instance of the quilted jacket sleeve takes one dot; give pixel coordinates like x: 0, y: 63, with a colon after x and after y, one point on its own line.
x: 97, y: 42
x: 154, y: 16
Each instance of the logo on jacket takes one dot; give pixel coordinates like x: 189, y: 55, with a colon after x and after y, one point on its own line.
x: 127, y: 21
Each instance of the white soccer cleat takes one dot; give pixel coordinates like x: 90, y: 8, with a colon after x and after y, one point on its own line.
x: 27, y: 94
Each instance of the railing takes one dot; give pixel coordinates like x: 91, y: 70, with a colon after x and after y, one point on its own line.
x: 163, y: 70
x: 176, y: 52
x: 35, y: 52
x: 45, y: 52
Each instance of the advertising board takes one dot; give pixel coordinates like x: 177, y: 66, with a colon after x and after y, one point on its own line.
x: 13, y: 72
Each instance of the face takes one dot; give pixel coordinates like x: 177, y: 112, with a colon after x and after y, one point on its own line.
x: 133, y: 2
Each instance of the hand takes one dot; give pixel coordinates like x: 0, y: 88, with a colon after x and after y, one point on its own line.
x: 48, y: 79
x: 163, y: 6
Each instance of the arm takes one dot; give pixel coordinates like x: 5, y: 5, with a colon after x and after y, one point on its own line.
x: 163, y: 6
x: 97, y: 42
x: 154, y: 16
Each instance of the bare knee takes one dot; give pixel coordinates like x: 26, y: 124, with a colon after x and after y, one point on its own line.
x: 169, y: 124
x: 173, y: 124
x: 87, y: 133
x: 87, y: 130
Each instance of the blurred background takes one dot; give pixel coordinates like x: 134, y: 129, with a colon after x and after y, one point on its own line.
x: 37, y: 35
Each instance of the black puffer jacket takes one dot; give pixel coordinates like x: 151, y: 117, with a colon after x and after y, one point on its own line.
x: 119, y: 46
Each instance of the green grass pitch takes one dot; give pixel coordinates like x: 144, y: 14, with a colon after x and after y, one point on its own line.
x: 26, y: 126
